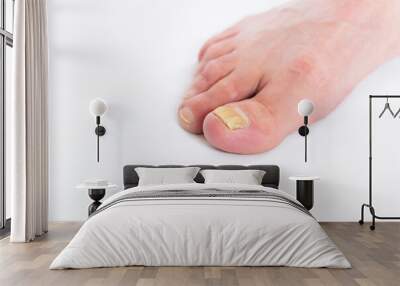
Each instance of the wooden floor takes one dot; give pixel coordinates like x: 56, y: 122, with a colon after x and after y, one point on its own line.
x: 375, y: 257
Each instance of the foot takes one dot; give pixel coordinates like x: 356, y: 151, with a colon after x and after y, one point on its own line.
x: 250, y: 77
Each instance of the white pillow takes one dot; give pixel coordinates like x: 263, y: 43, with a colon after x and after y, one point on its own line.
x: 162, y: 176
x: 248, y: 177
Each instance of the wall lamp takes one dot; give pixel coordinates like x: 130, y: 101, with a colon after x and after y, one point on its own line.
x: 305, y: 108
x: 97, y: 108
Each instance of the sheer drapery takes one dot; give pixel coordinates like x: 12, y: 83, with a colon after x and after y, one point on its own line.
x: 28, y: 122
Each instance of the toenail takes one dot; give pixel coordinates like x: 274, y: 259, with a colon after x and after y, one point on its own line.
x: 186, y: 115
x: 233, y: 118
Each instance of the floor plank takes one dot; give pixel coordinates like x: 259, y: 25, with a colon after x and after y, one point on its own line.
x: 375, y: 257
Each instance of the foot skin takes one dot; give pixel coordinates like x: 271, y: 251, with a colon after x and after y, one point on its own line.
x: 250, y: 77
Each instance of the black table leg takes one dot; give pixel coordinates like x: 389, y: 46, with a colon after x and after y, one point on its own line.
x: 305, y: 193
x: 96, y: 195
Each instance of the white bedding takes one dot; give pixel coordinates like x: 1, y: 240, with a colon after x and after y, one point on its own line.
x: 200, y: 231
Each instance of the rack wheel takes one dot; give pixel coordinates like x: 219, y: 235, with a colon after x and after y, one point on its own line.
x: 361, y: 222
x: 372, y: 227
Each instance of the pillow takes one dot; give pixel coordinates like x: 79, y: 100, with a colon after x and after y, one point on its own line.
x: 248, y: 177
x: 162, y: 176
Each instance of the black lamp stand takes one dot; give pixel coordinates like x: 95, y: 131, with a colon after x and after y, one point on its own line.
x: 303, y: 131
x: 100, y: 131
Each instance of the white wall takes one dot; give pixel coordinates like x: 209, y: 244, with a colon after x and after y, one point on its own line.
x: 138, y: 56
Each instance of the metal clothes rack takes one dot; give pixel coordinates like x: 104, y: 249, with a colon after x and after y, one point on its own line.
x: 370, y: 205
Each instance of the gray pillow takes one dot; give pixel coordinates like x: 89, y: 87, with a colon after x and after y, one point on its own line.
x: 248, y: 177
x: 162, y: 176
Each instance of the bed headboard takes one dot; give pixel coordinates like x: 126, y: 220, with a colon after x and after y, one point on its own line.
x: 271, y: 177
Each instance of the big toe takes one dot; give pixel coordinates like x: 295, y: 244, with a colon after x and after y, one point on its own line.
x: 244, y: 127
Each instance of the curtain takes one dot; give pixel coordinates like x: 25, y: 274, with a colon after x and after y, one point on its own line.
x: 28, y: 120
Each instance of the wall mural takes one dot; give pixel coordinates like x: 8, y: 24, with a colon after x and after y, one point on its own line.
x: 204, y: 82
x: 250, y: 76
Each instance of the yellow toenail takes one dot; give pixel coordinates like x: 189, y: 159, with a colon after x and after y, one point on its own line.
x: 186, y: 115
x: 233, y: 118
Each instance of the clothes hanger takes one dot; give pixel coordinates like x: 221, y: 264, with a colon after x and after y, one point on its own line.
x: 387, y: 107
x: 397, y: 113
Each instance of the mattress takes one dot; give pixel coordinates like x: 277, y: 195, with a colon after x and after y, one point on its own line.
x: 201, y: 225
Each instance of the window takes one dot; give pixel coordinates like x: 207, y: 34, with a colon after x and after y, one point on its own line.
x: 6, y: 61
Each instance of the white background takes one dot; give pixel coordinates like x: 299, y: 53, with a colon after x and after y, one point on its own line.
x: 139, y: 56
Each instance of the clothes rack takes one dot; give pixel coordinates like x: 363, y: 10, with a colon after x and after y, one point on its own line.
x: 370, y: 203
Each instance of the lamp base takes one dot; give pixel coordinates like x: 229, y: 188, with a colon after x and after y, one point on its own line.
x: 100, y: 130
x: 303, y: 130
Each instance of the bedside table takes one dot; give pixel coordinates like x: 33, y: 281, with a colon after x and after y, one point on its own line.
x: 96, y: 193
x: 305, y: 190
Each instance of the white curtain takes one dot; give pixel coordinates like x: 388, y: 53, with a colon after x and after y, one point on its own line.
x: 28, y: 122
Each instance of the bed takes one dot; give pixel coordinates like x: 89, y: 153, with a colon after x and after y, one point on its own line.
x: 199, y: 224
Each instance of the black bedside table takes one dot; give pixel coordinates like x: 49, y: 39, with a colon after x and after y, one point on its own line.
x: 96, y: 193
x: 305, y: 190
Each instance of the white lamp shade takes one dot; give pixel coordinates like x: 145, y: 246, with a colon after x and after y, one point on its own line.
x: 97, y: 107
x: 305, y: 107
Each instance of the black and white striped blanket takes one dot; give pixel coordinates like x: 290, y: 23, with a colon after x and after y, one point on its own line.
x: 205, y: 194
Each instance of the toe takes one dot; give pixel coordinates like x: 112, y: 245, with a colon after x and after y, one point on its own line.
x: 259, y: 124
x: 244, y: 127
x: 219, y: 49
x: 229, y: 33
x: 210, y: 73
x: 236, y: 86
